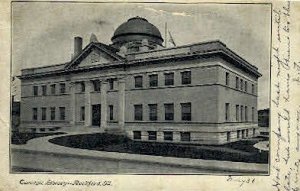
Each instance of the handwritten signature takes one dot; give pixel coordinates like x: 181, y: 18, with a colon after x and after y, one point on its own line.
x: 241, y: 180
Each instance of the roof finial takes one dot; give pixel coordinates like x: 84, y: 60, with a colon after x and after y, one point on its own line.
x: 93, y: 38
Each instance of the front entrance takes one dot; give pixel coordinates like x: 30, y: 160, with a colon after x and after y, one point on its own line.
x: 96, y: 115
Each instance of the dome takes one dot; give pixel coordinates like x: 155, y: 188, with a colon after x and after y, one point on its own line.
x: 136, y: 29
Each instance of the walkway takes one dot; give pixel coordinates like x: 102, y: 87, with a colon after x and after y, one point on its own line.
x: 39, y: 153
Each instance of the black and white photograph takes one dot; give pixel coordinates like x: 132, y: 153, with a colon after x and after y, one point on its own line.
x: 140, y: 88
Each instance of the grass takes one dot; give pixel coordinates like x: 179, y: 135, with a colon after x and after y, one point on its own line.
x: 241, y: 151
x: 245, y: 145
x: 23, y: 169
x: 22, y: 138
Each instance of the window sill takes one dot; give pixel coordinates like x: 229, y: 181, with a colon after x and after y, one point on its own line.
x: 186, y: 84
x: 171, y: 85
x: 153, y: 87
x: 112, y: 121
x: 48, y: 120
x: 49, y: 95
x: 112, y: 90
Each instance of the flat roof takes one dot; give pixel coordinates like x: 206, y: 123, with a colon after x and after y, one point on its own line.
x: 186, y: 51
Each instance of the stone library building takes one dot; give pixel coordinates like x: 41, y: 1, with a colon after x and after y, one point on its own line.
x: 201, y: 93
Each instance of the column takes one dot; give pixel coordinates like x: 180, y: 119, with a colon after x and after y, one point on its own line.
x: 103, y: 104
x: 87, y: 104
x: 121, y: 111
x: 72, y: 103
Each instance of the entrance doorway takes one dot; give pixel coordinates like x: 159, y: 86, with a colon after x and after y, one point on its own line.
x: 96, y: 115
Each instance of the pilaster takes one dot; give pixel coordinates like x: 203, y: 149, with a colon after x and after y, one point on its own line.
x: 87, y: 104
x: 121, y: 112
x: 72, y: 103
x: 104, y: 104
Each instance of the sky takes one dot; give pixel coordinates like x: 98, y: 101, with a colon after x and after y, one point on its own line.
x: 43, y: 32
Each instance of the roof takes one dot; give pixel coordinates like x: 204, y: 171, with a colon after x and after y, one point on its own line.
x: 203, y: 49
x: 42, y: 69
x: 137, y: 25
x: 192, y: 51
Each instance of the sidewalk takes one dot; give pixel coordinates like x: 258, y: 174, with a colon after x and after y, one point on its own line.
x: 65, y: 159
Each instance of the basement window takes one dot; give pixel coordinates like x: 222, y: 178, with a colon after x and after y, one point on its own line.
x: 185, y: 136
x: 137, y: 135
x: 168, y: 136
x: 152, y: 135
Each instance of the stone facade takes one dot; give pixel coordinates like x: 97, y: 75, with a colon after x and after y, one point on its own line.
x: 210, y: 96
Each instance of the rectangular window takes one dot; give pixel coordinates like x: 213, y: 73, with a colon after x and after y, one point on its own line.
x: 137, y: 135
x: 169, y: 79
x: 62, y: 88
x: 152, y: 135
x: 237, y: 112
x: 242, y: 113
x: 186, y: 111
x: 153, y: 80
x: 52, y: 113
x: 82, y: 113
x: 185, y: 136
x: 169, y: 111
x: 168, y: 136
x: 82, y: 87
x: 227, y: 79
x: 35, y: 90
x: 227, y: 112
x: 52, y: 87
x: 34, y: 114
x: 152, y: 112
x: 242, y: 84
x: 96, y: 85
x: 246, y: 113
x: 246, y: 86
x: 44, y: 114
x: 111, y: 112
x: 62, y: 113
x: 111, y: 84
x: 252, y: 114
x: 237, y: 82
x: 138, y: 81
x: 138, y: 112
x: 228, y: 136
x: 252, y: 89
x: 186, y: 77
x: 238, y: 134
x: 44, y: 90
x: 243, y: 134
x: 247, y: 132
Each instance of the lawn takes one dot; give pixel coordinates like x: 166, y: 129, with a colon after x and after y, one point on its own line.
x: 241, y: 151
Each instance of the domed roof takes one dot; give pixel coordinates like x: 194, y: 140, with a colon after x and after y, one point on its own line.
x: 137, y: 26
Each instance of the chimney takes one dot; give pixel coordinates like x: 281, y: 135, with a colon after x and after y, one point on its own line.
x: 77, y: 46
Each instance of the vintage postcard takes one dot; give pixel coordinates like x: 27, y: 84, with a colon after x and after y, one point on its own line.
x: 151, y: 95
